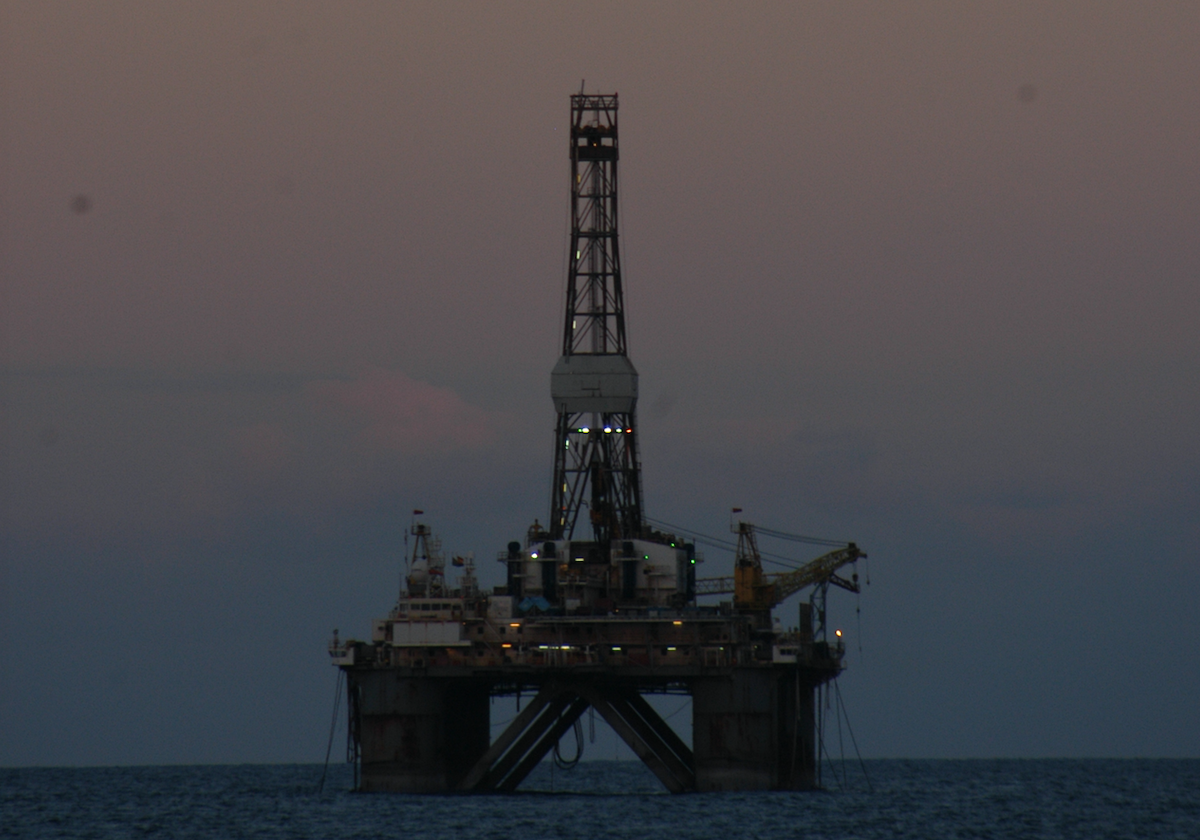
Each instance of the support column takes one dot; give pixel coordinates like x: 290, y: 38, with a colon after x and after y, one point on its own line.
x: 419, y: 735
x: 800, y: 735
x: 753, y: 730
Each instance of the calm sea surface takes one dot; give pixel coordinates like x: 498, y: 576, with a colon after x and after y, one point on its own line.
x: 602, y: 799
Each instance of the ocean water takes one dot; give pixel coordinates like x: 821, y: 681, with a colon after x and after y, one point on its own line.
x: 610, y: 799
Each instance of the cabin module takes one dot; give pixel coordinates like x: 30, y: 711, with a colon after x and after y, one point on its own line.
x: 590, y: 578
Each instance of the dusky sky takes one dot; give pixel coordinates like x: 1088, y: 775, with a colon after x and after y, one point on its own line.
x: 921, y: 275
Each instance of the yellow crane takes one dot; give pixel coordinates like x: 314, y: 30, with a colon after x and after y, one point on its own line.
x: 754, y: 591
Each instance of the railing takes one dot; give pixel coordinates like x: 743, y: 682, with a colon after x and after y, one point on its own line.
x: 786, y: 650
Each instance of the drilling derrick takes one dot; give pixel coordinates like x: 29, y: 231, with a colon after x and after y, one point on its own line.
x: 594, y: 385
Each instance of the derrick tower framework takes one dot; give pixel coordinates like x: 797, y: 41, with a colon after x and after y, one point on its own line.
x: 594, y: 385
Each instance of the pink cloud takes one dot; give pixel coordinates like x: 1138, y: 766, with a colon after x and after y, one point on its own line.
x: 264, y: 450
x: 396, y: 413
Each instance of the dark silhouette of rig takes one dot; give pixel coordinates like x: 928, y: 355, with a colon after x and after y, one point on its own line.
x: 599, y: 609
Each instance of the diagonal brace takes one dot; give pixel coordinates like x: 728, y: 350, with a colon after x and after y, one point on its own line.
x: 538, y: 752
x: 641, y: 748
x: 661, y: 728
x: 475, y: 778
x: 678, y: 767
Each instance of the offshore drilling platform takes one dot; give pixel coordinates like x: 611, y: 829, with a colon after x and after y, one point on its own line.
x: 599, y: 608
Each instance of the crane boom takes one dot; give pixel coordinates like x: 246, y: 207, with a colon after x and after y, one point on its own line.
x: 756, y: 591
x: 823, y: 569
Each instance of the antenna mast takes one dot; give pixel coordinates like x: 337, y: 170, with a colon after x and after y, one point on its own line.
x: 594, y: 385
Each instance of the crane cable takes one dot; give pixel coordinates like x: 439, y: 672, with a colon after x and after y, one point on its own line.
x: 776, y: 559
x: 801, y: 538
x: 337, y: 698
x: 765, y: 556
x: 853, y: 740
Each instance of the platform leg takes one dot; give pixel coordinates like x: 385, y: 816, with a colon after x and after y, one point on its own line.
x: 753, y: 730
x: 419, y: 735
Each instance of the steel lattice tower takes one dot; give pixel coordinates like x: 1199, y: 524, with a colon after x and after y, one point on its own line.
x: 594, y: 385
